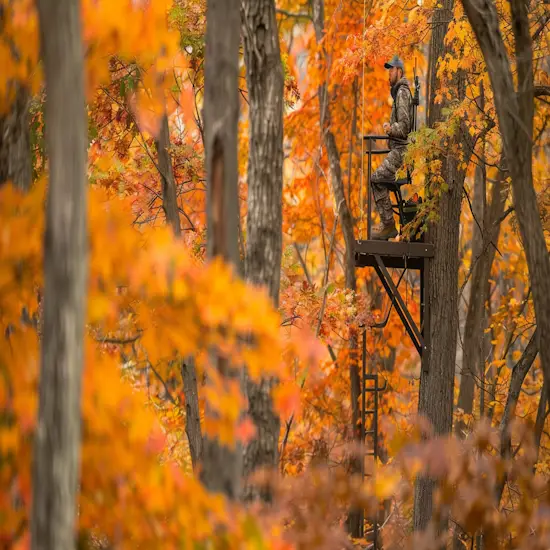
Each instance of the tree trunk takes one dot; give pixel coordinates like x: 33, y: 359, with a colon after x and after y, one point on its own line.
x: 15, y: 146
x: 471, y: 345
x: 188, y: 370
x: 221, y: 470
x: 542, y: 412
x: 346, y: 220
x: 519, y: 372
x: 265, y: 81
x: 515, y: 112
x: 57, y: 444
x: 192, y: 410
x: 472, y: 361
x: 168, y: 181
x: 437, y: 374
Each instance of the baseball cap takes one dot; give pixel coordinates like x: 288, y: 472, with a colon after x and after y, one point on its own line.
x: 395, y: 61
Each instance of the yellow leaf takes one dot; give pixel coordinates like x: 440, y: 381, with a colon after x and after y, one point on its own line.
x: 99, y: 307
x: 385, y: 484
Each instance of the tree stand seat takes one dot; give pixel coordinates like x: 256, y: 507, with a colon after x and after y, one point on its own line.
x: 406, y: 210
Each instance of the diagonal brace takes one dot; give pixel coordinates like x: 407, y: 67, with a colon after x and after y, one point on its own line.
x: 387, y: 316
x: 406, y: 318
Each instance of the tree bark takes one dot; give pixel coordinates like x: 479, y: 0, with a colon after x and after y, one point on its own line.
x: 542, y: 412
x: 221, y: 470
x: 515, y: 110
x: 15, y: 140
x: 346, y: 221
x: 192, y: 410
x: 472, y: 361
x: 519, y: 372
x: 168, y: 181
x: 57, y: 444
x: 471, y: 345
x: 15, y: 146
x: 265, y: 81
x: 437, y: 374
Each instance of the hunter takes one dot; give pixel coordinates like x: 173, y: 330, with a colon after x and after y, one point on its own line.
x: 398, y: 130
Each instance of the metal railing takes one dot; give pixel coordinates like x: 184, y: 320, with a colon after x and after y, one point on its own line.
x: 371, y: 139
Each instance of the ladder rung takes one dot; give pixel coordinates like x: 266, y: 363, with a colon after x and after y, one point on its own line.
x: 370, y: 411
x: 370, y: 432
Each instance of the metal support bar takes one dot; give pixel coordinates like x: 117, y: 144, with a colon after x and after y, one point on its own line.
x: 395, y: 249
x: 369, y: 193
x: 363, y: 417
x: 400, y: 306
x: 371, y: 152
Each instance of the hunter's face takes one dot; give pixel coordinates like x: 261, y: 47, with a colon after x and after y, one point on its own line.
x: 394, y: 75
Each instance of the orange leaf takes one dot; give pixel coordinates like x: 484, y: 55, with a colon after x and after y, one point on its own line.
x: 286, y: 398
x: 246, y: 430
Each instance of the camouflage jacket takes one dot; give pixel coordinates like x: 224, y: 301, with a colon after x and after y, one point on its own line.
x: 401, y: 120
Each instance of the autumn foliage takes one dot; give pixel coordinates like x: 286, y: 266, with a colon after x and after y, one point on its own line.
x: 156, y: 301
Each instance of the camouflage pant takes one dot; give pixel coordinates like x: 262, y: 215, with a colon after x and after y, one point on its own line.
x: 386, y: 172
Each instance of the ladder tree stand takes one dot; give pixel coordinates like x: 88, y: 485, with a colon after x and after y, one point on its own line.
x: 384, y: 255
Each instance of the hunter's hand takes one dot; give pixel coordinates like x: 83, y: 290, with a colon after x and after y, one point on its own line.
x: 386, y: 127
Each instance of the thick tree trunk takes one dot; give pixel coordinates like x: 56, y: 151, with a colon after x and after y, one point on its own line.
x: 515, y: 112
x: 436, y: 382
x: 265, y: 80
x: 437, y: 374
x: 57, y: 445
x: 472, y: 361
x: 15, y: 146
x: 221, y: 470
x: 346, y: 220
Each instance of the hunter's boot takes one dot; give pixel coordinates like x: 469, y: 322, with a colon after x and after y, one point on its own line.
x: 386, y: 229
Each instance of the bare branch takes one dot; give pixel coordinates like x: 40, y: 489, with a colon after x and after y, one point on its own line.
x: 291, y: 15
x: 120, y: 341
x: 519, y: 372
x: 303, y: 263
x: 168, y: 395
x: 542, y: 26
x: 541, y: 90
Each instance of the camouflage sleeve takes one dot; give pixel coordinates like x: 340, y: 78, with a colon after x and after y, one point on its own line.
x: 402, y: 128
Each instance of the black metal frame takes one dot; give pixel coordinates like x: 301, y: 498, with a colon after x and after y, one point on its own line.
x: 383, y: 255
x: 406, y: 255
x: 401, y: 255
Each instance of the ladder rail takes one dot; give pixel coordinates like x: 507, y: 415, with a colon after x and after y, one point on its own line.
x: 370, y: 385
